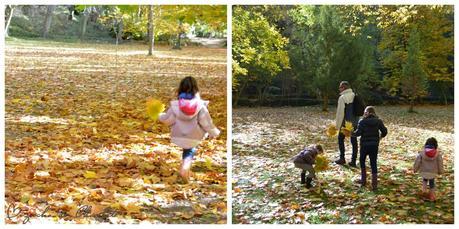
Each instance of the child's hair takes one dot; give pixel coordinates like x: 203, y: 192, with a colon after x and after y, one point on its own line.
x: 188, y: 85
x: 370, y: 110
x: 318, y: 148
x: 432, y: 142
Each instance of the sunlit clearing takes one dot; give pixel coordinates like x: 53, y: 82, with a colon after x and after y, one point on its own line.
x: 41, y: 119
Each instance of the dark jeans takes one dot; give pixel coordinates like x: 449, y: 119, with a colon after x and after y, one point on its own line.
x: 431, y: 182
x: 188, y: 153
x: 341, y: 146
x: 372, y: 152
x: 306, y: 167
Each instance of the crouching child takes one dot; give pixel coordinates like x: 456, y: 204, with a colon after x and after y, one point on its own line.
x: 305, y: 161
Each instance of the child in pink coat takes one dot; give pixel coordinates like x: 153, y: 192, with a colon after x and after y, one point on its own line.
x: 190, y: 122
x: 429, y: 163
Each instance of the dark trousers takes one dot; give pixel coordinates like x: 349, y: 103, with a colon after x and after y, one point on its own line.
x: 431, y: 182
x: 188, y: 153
x: 372, y: 152
x: 341, y: 146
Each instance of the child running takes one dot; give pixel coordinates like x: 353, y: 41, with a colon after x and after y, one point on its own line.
x: 190, y: 122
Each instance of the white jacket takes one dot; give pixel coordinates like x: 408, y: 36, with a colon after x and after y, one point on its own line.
x: 346, y: 97
x: 187, y: 131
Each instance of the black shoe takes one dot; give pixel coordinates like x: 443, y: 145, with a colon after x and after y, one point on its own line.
x: 303, y: 178
x: 341, y: 161
x: 308, y: 182
x: 352, y: 164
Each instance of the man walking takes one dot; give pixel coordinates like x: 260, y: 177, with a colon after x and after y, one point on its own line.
x: 344, y: 113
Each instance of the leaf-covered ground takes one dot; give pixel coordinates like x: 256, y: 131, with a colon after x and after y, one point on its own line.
x: 267, y: 189
x: 79, y: 147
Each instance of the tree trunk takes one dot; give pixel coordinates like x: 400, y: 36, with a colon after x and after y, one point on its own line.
x: 118, y: 28
x: 445, y: 99
x: 33, y: 11
x: 9, y: 20
x: 48, y: 20
x: 178, y: 43
x: 84, y: 23
x: 325, y: 103
x: 444, y: 89
x: 71, y: 10
x: 139, y: 13
x: 411, y: 109
x: 260, y: 95
x: 238, y: 94
x: 151, y: 37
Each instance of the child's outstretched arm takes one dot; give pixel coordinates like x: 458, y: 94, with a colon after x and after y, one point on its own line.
x: 205, y: 121
x: 417, y: 163
x: 167, y: 118
x: 383, y: 130
x: 440, y: 164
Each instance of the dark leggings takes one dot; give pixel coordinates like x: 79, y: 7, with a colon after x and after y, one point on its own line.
x: 341, y: 138
x: 431, y: 182
x: 188, y: 153
x: 372, y: 152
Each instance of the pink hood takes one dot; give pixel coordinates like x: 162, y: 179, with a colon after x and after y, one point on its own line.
x: 189, y: 106
x: 190, y: 121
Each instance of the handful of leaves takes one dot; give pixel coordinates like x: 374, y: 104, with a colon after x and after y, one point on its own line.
x: 321, y: 163
x: 331, y: 131
x: 347, y: 129
x: 154, y: 108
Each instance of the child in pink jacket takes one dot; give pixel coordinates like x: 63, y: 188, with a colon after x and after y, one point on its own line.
x: 190, y: 122
x: 429, y: 163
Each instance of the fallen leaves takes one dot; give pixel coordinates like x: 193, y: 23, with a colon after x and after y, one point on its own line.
x: 88, y: 148
x: 90, y: 175
x: 263, y: 174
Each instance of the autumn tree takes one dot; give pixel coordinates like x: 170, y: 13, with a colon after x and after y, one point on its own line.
x: 180, y: 18
x: 258, y: 52
x: 435, y: 28
x: 414, y: 78
x: 323, y: 52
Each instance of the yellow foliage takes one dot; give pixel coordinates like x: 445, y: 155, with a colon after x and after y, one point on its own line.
x: 347, y: 129
x: 348, y: 126
x: 321, y: 163
x: 90, y: 175
x: 331, y: 131
x: 154, y: 108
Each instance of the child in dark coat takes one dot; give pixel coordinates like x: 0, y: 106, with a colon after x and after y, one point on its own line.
x: 429, y: 163
x: 305, y: 160
x: 371, y: 129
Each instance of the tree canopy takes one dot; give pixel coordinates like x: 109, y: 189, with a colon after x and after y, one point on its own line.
x: 365, y: 45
